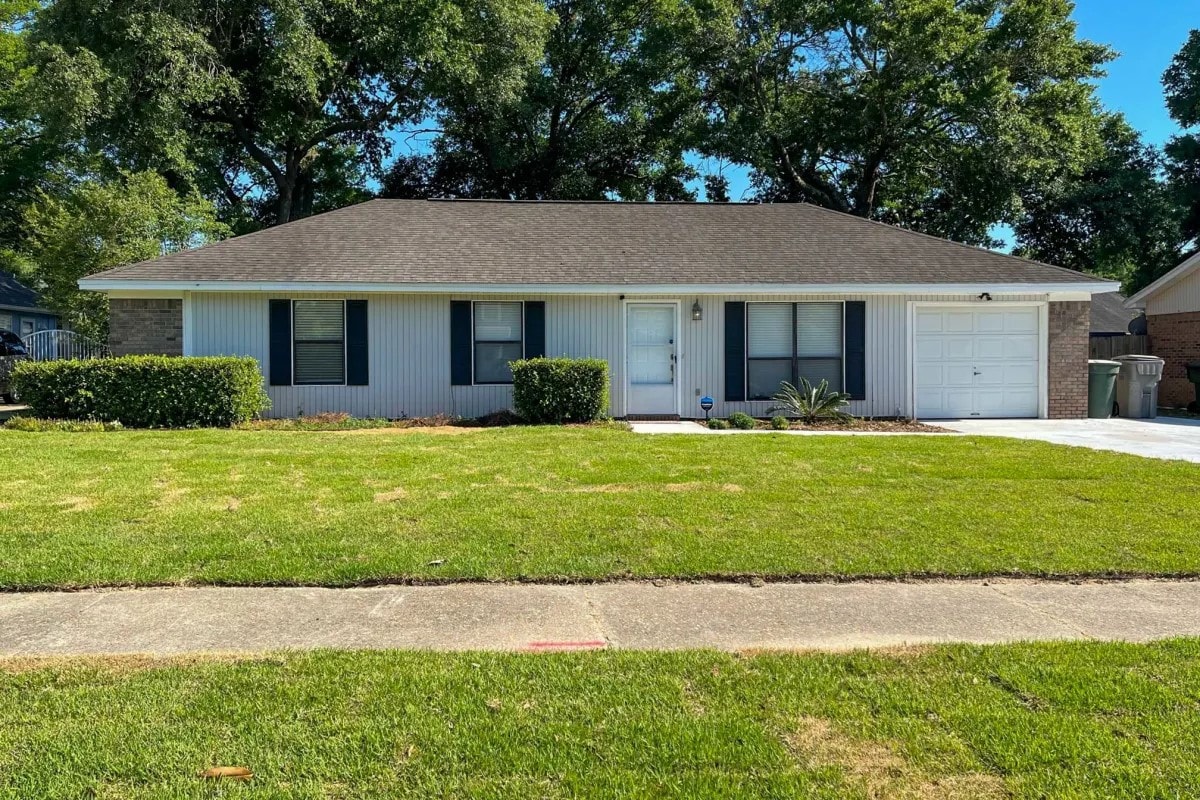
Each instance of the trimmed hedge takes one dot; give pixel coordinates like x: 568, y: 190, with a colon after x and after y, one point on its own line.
x: 559, y: 390
x: 145, y: 391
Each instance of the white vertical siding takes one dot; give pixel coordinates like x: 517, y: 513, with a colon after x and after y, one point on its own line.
x: 1179, y: 298
x: 410, y: 350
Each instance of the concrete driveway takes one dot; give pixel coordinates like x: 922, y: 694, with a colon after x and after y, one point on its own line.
x: 1164, y: 437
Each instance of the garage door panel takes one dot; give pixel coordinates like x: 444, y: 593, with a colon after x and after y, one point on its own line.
x: 1024, y: 375
x: 989, y: 321
x: 929, y: 322
x: 930, y: 375
x: 959, y: 375
x: 959, y: 322
x: 1024, y: 321
x: 960, y: 347
x: 1006, y: 402
x: 1021, y: 347
x: 930, y: 348
x: 977, y: 362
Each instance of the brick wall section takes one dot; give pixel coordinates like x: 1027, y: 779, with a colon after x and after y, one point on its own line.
x: 145, y: 327
x: 1175, y: 338
x: 1068, y: 339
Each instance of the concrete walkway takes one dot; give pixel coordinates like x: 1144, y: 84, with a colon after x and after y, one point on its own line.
x: 626, y: 615
x: 1164, y: 437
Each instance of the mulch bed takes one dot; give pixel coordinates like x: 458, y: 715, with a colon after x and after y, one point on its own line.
x: 871, y: 425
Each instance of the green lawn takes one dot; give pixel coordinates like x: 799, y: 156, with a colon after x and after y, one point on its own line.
x: 969, y: 723
x: 279, y: 507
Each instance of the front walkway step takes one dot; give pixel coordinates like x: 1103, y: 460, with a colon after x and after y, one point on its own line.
x: 628, y: 615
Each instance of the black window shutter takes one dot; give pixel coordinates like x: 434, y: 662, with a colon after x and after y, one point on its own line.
x: 280, y: 352
x: 735, y: 351
x: 535, y: 329
x: 460, y: 342
x: 357, y: 356
x: 856, y: 349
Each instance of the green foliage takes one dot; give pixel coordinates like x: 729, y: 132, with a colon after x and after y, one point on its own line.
x: 260, y: 103
x: 931, y: 114
x: 1115, y: 218
x: 144, y: 391
x: 741, y: 421
x: 607, y: 110
x: 810, y: 403
x: 780, y: 423
x: 98, y: 225
x: 560, y: 390
x: 718, y: 425
x: 37, y: 425
x: 1182, y: 84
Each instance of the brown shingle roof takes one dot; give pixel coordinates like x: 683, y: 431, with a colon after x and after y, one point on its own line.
x: 1109, y: 314
x: 498, y: 242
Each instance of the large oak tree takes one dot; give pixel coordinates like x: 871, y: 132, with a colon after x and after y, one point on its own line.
x: 279, y: 107
x: 608, y: 111
x: 931, y: 114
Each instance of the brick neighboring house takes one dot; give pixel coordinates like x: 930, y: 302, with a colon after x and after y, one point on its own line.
x: 1172, y: 305
x: 416, y: 307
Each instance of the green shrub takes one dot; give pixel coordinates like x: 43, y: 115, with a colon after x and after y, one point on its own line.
x: 35, y: 425
x: 144, y: 391
x: 718, y: 425
x: 558, y: 390
x: 811, y: 403
x: 741, y: 421
x: 780, y: 423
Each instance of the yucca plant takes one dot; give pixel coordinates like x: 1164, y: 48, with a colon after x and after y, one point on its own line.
x: 810, y: 403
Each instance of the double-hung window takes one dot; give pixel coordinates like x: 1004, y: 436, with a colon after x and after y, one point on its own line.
x: 319, y: 342
x: 498, y: 340
x: 789, y: 341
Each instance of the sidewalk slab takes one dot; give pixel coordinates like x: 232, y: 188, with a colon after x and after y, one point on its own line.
x: 633, y: 615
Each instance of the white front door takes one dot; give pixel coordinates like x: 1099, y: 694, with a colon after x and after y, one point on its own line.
x: 976, y: 362
x: 650, y: 358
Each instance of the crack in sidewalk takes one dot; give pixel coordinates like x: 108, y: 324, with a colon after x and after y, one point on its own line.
x: 1066, y: 623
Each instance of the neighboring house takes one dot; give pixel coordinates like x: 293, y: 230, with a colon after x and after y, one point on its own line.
x: 1110, y: 317
x: 20, y: 308
x: 415, y: 307
x: 1172, y: 305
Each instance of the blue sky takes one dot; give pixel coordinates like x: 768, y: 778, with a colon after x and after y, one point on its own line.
x: 1146, y: 33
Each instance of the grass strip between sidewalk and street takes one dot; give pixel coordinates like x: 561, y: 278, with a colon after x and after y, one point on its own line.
x: 1022, y: 721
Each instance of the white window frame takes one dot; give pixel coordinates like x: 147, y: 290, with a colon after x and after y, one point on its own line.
x: 344, y: 353
x: 746, y: 359
x: 475, y: 341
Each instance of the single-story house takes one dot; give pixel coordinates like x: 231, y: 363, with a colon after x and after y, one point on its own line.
x: 414, y: 307
x: 1172, y: 306
x: 21, y: 309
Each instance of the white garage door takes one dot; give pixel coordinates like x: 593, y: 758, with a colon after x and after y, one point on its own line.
x: 976, y: 362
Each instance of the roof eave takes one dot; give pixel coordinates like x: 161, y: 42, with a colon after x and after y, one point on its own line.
x: 129, y: 285
x: 1138, y: 300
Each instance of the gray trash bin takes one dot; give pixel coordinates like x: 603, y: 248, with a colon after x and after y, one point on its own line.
x: 1137, y: 386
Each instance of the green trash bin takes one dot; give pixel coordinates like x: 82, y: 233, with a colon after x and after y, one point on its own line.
x: 1102, y: 387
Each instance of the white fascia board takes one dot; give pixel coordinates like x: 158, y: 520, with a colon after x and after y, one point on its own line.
x: 130, y: 288
x: 1139, y: 299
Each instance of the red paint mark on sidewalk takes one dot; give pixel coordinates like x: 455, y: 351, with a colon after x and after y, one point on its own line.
x: 593, y: 644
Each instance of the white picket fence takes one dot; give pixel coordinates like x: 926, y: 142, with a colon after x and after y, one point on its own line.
x: 56, y: 345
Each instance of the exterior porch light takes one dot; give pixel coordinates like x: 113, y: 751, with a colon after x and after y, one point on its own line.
x: 697, y: 312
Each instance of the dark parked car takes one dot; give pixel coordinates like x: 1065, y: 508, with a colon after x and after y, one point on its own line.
x: 12, y: 350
